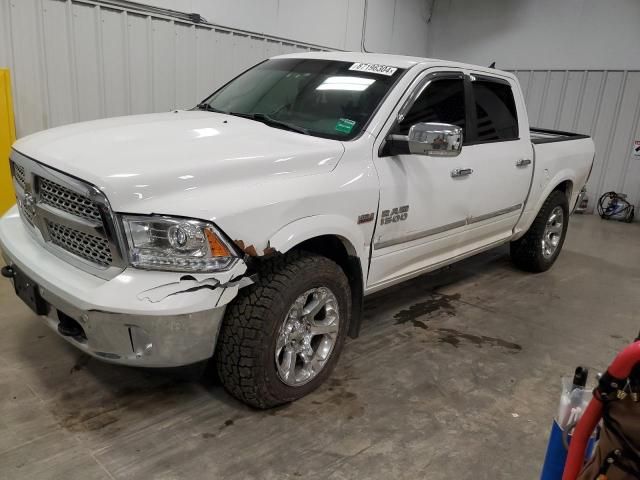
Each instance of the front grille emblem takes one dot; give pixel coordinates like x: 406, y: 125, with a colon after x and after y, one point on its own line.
x: 29, y: 204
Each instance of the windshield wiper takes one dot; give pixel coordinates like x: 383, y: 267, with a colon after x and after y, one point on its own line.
x: 258, y: 117
x: 272, y: 122
x: 209, y: 108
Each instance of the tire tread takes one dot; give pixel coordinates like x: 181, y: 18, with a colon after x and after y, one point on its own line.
x: 525, y: 252
x: 244, y: 330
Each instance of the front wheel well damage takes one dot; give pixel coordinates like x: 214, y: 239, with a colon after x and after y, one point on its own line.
x: 342, y: 253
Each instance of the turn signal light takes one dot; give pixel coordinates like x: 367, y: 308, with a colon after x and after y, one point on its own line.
x: 218, y: 249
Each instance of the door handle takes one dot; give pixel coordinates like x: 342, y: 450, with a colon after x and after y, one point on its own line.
x: 523, y: 162
x: 461, y: 172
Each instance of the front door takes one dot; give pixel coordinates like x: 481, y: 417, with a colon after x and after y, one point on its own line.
x: 423, y: 206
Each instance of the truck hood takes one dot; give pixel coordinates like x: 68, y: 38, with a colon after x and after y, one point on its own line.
x: 137, y: 158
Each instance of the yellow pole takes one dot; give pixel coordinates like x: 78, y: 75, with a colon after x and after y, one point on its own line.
x: 7, y: 137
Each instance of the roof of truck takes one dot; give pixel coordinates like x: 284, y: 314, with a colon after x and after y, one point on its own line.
x: 399, y: 61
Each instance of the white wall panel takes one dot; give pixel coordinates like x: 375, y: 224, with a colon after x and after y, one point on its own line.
x: 114, y: 64
x: 186, y: 72
x: 164, y: 61
x: 78, y: 60
x: 26, y: 62
x: 603, y: 104
x: 393, y: 26
x: 205, y: 49
x: 139, y: 66
x: 5, y: 32
x: 88, y: 77
x: 59, y: 81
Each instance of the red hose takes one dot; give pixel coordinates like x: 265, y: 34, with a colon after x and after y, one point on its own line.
x: 625, y: 361
x: 581, y: 435
x: 620, y: 369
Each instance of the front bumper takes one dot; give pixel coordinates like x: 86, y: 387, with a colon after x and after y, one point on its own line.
x: 138, y: 318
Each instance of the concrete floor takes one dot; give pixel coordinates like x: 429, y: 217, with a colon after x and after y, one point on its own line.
x: 455, y: 376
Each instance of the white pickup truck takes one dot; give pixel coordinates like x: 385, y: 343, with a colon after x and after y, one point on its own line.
x: 250, y: 228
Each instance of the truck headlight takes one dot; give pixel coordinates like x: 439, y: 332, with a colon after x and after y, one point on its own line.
x: 177, y: 244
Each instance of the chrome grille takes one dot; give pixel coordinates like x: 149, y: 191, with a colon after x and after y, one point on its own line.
x: 18, y: 173
x: 68, y: 201
x: 92, y: 248
x: 71, y: 219
x: 25, y: 212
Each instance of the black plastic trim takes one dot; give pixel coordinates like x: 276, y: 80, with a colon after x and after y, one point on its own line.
x: 484, y: 142
x: 561, y: 136
x: 357, y: 296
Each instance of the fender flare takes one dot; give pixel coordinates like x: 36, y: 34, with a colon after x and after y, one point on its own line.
x: 558, y: 178
x: 530, y: 214
x: 351, y: 237
x: 306, y: 228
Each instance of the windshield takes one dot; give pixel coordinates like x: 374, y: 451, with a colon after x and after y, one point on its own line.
x: 323, y: 98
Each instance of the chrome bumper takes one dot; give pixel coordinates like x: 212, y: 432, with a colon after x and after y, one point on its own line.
x: 139, y: 340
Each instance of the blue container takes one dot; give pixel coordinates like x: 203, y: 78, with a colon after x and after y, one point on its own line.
x: 556, y: 456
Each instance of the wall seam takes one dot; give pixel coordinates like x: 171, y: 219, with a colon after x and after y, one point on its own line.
x: 613, y: 127
x: 632, y: 134
x: 100, y: 61
x: 561, y: 101
x: 42, y: 62
x: 151, y: 96
x: 73, y: 68
x: 126, y: 60
x: 578, y: 112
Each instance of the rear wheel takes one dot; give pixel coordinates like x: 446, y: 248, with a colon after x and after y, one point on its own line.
x: 539, y: 248
x: 282, y: 336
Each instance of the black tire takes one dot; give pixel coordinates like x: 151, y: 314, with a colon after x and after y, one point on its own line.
x: 526, y: 252
x: 245, y: 352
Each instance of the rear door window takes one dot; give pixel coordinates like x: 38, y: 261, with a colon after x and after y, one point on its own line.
x: 495, y: 109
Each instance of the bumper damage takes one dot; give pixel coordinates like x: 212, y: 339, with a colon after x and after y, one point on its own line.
x: 138, y: 318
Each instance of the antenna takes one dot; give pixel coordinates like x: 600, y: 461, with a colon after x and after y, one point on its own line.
x: 493, y: 65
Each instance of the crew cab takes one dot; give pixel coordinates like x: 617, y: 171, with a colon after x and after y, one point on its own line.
x: 251, y: 227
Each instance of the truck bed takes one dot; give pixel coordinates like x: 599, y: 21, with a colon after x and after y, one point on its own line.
x: 541, y: 135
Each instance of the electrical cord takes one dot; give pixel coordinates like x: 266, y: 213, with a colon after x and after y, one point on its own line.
x: 613, y: 205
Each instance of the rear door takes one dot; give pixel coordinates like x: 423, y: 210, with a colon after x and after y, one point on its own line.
x: 501, y: 156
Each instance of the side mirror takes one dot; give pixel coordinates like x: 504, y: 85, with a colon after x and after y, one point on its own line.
x: 435, y: 139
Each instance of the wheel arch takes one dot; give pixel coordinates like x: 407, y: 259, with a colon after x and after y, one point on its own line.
x: 565, y: 186
x: 563, y: 181
x: 336, y: 238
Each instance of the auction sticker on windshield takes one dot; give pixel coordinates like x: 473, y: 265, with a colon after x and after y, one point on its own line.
x: 373, y: 68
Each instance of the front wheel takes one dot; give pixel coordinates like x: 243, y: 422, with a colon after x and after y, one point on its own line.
x: 539, y: 248
x: 282, y: 336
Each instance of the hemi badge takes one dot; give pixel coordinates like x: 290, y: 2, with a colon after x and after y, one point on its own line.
x: 365, y: 217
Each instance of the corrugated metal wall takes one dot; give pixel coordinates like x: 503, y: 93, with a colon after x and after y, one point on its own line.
x: 79, y: 60
x: 603, y: 104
